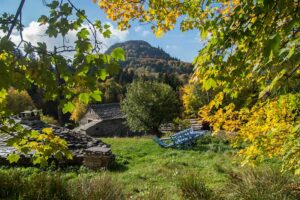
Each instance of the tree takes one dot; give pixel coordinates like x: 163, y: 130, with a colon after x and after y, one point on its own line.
x: 18, y: 101
x: 250, y: 61
x: 194, y: 98
x: 23, y: 65
x: 79, y: 111
x: 148, y: 105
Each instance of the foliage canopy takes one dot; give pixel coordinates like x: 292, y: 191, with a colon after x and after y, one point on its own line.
x: 148, y: 105
x: 250, y: 62
x: 25, y: 64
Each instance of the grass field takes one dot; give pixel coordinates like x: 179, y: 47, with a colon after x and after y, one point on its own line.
x: 144, y: 165
x: 143, y: 170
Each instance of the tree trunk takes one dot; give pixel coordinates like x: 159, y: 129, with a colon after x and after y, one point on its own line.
x: 59, y: 98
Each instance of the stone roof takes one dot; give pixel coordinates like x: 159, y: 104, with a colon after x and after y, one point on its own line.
x: 88, y: 125
x: 108, y: 111
x: 77, y: 143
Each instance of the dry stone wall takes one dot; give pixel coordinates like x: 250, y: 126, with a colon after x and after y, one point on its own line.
x: 85, y: 149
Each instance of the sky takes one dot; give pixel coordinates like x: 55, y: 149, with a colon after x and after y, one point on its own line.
x: 183, y: 45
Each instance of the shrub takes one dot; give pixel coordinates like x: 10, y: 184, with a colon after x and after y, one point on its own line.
x: 49, y: 120
x: 180, y: 124
x: 212, y: 143
x: 192, y: 187
x: 261, y: 183
x: 95, y: 188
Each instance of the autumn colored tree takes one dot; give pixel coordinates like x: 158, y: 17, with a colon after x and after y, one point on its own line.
x: 250, y: 62
x: 18, y: 101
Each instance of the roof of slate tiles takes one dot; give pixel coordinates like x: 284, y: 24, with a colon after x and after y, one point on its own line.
x: 108, y: 111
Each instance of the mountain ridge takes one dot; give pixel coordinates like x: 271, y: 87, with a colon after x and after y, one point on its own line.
x: 141, y: 54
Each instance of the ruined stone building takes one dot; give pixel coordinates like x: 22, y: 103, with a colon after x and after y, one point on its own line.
x: 88, y: 151
x: 103, y: 120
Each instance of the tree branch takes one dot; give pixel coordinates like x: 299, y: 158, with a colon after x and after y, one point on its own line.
x: 16, y: 18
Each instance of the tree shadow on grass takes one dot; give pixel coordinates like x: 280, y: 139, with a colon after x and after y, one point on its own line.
x: 120, y: 164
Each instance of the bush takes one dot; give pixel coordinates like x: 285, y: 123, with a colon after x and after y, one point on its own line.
x: 212, y: 143
x: 95, y: 188
x: 262, y: 184
x: 192, y: 188
x: 49, y: 120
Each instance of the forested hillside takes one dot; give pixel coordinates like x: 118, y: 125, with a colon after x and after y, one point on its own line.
x: 148, y: 62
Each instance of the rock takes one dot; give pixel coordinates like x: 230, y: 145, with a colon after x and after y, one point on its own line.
x: 98, y: 157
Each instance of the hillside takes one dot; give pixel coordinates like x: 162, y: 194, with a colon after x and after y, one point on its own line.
x: 140, y: 54
x: 144, y: 62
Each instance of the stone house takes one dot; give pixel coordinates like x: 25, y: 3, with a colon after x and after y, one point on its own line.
x: 103, y: 120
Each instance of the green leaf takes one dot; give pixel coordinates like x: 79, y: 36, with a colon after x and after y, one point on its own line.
x: 272, y: 46
x: 106, y: 26
x: 270, y: 87
x: 13, y: 158
x: 113, y: 68
x: 40, y: 160
x: 53, y: 5
x: 106, y: 33
x: 97, y: 24
x: 209, y: 83
x: 102, y: 74
x: 118, y: 54
x: 84, y: 97
x: 43, y: 19
x: 66, y: 9
x: 204, y: 33
x: 83, y: 33
x: 68, y: 107
x: 96, y: 95
x: 3, y: 94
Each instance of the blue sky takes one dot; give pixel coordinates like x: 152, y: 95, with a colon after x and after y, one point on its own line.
x: 183, y: 45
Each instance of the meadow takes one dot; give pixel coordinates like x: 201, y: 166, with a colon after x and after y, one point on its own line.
x: 143, y: 170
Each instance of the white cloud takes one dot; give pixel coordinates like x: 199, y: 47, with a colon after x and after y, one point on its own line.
x: 141, y: 31
x: 145, y: 33
x: 35, y: 32
x: 117, y: 35
x: 138, y: 29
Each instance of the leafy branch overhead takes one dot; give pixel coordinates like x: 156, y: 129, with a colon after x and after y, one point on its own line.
x: 24, y: 65
x: 248, y: 67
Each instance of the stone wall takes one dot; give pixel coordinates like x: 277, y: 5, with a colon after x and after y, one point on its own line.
x: 108, y: 128
x: 84, y: 148
x: 90, y: 115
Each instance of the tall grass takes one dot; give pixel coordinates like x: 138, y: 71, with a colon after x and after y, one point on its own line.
x: 53, y: 186
x: 45, y: 186
x: 192, y: 187
x: 263, y: 183
x: 94, y: 188
x: 11, y: 184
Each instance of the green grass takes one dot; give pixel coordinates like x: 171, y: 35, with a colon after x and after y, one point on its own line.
x: 142, y: 164
x: 143, y: 170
